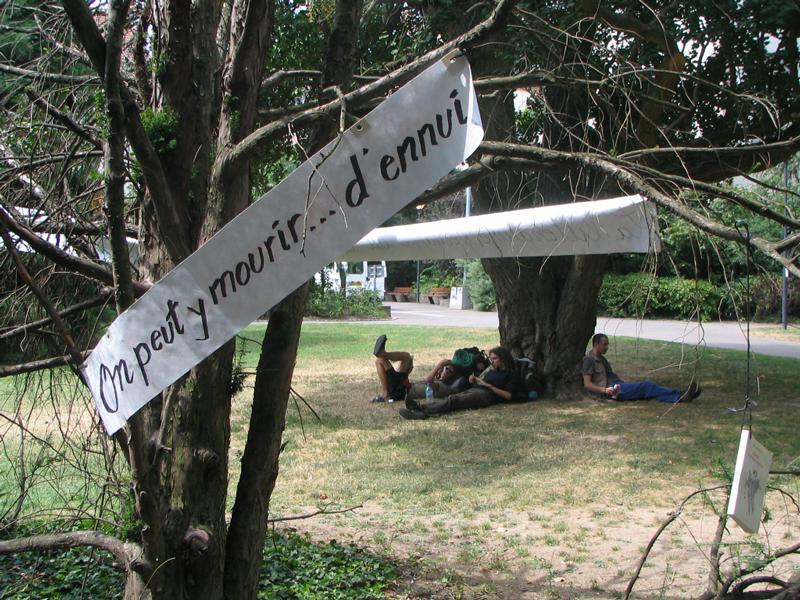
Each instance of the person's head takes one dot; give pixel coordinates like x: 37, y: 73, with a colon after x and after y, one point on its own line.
x: 599, y: 343
x: 500, y: 358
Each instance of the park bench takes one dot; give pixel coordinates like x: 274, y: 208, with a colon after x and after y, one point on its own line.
x: 398, y: 294
x: 436, y: 295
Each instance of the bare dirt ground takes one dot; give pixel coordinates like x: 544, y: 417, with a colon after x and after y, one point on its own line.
x: 564, y: 554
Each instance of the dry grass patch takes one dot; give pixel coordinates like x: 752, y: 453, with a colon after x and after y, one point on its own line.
x: 554, y: 498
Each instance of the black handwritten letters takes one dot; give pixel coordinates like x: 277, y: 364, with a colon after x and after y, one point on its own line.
x: 113, y: 379
x: 180, y: 326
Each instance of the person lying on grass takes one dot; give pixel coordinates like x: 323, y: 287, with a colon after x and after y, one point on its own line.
x: 493, y: 385
x: 447, y: 377
x: 394, y: 381
x: 600, y: 381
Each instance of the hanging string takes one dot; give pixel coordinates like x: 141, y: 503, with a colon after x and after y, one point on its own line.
x: 747, y: 410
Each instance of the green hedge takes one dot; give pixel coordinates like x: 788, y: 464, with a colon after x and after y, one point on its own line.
x: 640, y: 294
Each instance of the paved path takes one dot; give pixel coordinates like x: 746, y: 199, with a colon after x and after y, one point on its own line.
x: 718, y: 335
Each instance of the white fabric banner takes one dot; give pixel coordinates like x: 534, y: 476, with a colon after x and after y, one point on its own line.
x: 400, y: 149
x: 626, y: 224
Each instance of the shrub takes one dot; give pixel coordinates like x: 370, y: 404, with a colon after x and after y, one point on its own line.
x: 640, y: 294
x: 333, y: 304
x: 325, y: 303
x: 439, y: 274
x: 364, y: 303
x: 480, y: 287
x: 765, y: 298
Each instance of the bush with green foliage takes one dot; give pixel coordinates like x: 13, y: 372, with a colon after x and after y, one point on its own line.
x: 640, y: 294
x: 334, y: 304
x: 480, y: 287
x: 765, y: 298
x: 439, y: 274
x: 294, y: 567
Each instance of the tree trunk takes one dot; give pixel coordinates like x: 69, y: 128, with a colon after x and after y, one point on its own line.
x: 547, y: 310
x: 546, y: 306
x: 276, y: 365
x: 262, y: 451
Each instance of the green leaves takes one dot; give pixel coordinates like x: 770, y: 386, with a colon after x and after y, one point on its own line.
x: 162, y: 128
x: 640, y: 294
x: 298, y: 569
x: 294, y: 568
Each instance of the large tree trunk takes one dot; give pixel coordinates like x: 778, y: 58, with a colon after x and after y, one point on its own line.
x: 546, y: 306
x: 547, y: 310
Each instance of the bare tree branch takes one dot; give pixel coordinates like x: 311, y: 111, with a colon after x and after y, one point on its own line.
x: 251, y: 145
x: 41, y: 365
x: 635, y: 183
x: 49, y: 77
x: 75, y: 308
x: 66, y: 119
x: 88, y: 268
x: 125, y: 553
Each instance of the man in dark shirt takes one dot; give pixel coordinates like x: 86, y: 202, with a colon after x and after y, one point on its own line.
x: 601, y: 381
x: 495, y: 384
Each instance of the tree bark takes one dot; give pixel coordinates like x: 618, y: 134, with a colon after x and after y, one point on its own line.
x: 259, y: 466
x: 547, y: 311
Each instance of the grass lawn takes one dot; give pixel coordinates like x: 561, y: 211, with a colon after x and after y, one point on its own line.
x: 777, y: 332
x: 556, y: 496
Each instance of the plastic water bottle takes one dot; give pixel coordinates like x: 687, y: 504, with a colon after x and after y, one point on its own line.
x: 429, y: 392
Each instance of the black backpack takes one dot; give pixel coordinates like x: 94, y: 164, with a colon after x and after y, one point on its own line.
x: 526, y: 385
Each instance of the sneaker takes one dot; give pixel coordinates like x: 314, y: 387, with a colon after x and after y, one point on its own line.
x: 412, y: 404
x: 378, y: 398
x: 692, y: 392
x: 380, y: 345
x: 412, y: 415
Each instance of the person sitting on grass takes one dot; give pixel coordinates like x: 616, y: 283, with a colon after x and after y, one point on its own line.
x: 394, y: 381
x: 447, y: 377
x: 601, y: 382
x: 495, y: 384
x: 450, y: 375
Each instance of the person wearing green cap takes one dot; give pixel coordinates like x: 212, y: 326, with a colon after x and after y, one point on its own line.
x: 495, y: 384
x: 447, y: 377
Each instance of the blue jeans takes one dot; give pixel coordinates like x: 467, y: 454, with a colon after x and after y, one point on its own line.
x: 645, y: 390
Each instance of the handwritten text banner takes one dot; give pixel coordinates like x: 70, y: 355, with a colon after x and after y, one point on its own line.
x: 403, y: 147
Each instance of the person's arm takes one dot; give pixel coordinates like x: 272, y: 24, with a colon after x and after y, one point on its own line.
x: 504, y: 394
x: 593, y: 387
x: 437, y: 370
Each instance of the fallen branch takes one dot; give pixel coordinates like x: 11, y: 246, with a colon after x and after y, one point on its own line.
x: 321, y: 511
x: 672, y: 516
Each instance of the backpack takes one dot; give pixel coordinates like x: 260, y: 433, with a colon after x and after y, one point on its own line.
x: 469, y: 361
x: 526, y: 386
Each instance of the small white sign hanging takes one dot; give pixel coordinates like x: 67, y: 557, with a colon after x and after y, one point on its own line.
x: 404, y: 146
x: 749, y: 482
